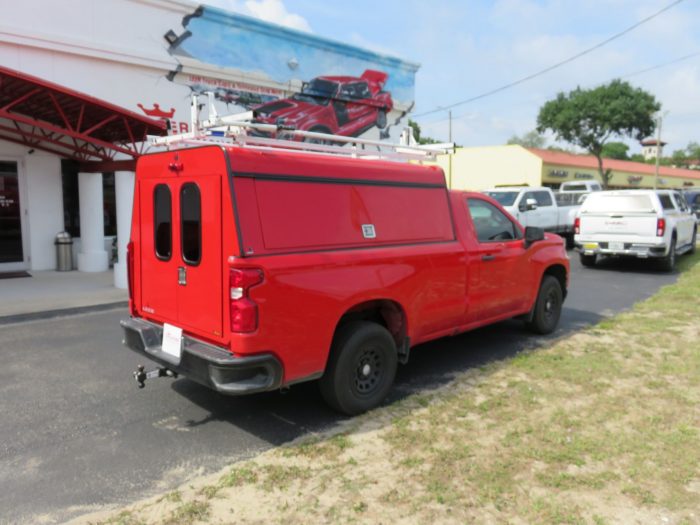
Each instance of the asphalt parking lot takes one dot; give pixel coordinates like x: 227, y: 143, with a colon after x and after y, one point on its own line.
x: 77, y: 434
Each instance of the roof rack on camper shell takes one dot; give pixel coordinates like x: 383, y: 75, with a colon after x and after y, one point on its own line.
x: 236, y: 130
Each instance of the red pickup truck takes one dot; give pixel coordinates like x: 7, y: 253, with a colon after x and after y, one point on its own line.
x: 254, y: 269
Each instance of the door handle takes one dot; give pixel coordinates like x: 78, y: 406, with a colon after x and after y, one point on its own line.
x: 488, y: 257
x: 182, y: 276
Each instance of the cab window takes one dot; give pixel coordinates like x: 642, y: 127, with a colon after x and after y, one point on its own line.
x: 490, y: 223
x: 543, y: 198
x: 666, y: 202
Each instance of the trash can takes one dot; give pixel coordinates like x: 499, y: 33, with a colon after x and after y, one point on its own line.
x: 64, y: 252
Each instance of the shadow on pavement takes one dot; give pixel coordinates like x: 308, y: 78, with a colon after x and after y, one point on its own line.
x: 280, y: 417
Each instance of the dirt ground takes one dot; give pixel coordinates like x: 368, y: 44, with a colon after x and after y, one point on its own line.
x: 600, y: 427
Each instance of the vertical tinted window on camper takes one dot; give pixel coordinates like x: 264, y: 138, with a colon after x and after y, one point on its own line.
x: 191, y: 228
x: 162, y: 209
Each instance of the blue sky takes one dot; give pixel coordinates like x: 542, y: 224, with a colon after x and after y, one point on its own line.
x: 469, y: 47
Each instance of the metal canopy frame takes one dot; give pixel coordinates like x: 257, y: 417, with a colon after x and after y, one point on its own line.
x: 42, y: 115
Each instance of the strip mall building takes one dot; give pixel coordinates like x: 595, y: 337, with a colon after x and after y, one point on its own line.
x: 484, y: 167
x: 81, y: 86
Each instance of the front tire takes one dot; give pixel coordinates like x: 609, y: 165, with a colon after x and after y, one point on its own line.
x: 693, y: 242
x: 381, y: 119
x: 361, y: 368
x: 588, y: 260
x: 547, y: 311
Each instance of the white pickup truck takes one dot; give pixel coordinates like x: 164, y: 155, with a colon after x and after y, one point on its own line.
x: 537, y: 207
x: 637, y: 223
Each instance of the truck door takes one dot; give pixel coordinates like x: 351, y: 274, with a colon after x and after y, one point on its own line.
x: 547, y: 215
x: 501, y: 286
x: 181, y: 251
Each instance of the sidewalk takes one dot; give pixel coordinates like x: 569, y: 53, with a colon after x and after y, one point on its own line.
x: 49, y: 294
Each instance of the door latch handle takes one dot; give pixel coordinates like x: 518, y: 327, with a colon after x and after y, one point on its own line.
x: 488, y: 257
x: 182, y: 276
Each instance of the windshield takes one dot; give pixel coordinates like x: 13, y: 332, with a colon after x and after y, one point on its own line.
x: 504, y: 198
x: 617, y: 203
x: 317, y: 92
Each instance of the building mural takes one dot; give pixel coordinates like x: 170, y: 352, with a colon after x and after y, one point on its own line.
x: 289, y: 77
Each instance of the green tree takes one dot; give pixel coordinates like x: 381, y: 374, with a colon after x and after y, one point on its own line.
x: 588, y: 118
x: 615, y: 150
x: 531, y: 139
x: 417, y: 134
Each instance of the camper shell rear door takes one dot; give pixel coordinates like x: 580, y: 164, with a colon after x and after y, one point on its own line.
x: 181, y: 239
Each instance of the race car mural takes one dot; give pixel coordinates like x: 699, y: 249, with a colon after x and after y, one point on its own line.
x: 339, y: 105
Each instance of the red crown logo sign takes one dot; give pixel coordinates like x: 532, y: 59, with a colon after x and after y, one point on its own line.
x: 157, y: 112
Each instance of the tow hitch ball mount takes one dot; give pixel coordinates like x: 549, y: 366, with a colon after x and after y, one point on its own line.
x: 141, y: 375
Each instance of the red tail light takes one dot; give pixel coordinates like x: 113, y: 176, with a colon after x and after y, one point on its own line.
x: 577, y: 225
x: 244, y: 311
x: 660, y: 227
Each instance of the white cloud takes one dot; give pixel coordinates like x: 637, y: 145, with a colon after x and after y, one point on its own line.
x: 273, y: 11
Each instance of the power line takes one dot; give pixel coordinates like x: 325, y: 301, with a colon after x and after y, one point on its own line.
x: 627, y: 75
x: 552, y: 67
x: 664, y: 64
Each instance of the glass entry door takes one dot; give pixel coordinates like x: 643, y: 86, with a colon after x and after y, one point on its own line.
x: 11, y: 250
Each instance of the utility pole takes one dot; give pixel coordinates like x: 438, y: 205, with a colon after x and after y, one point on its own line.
x: 449, y: 158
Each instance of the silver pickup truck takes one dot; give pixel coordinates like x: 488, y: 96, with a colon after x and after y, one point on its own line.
x: 539, y: 206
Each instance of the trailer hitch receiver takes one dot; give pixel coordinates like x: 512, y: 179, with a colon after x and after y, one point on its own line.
x: 141, y: 375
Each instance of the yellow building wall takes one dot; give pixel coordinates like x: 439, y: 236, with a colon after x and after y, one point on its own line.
x: 485, y: 167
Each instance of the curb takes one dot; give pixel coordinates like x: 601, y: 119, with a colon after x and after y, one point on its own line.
x: 61, y: 312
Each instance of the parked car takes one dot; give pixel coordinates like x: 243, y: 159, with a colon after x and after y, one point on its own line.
x: 253, y: 270
x: 538, y: 206
x: 585, y: 186
x: 646, y: 224
x: 339, y: 105
x: 692, y: 197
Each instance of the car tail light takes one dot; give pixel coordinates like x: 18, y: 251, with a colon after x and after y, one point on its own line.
x: 577, y: 225
x: 660, y: 227
x: 244, y: 311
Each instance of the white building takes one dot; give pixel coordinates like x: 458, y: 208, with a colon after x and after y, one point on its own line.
x: 147, y: 57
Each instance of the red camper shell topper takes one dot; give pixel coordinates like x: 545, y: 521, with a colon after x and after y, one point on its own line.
x: 339, y: 105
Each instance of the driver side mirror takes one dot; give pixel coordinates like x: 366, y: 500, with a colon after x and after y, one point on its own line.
x: 532, y: 235
x: 531, y: 204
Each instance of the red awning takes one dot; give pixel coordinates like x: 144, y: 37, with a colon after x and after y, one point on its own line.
x: 43, y: 115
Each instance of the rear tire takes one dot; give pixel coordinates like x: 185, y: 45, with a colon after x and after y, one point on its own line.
x: 547, y: 311
x: 693, y: 242
x: 361, y: 368
x: 588, y: 260
x: 668, y: 263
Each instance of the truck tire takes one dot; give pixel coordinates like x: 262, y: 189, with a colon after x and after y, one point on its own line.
x: 694, y: 242
x: 668, y: 263
x: 361, y: 368
x: 547, y: 310
x: 588, y: 260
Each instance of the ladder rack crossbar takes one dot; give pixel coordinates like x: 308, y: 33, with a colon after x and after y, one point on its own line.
x: 242, y: 130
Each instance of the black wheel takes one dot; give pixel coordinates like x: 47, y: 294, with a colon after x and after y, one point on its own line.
x: 361, y: 368
x: 381, y: 119
x: 547, y: 307
x: 569, y: 240
x: 587, y: 260
x: 694, y: 242
x: 668, y: 263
